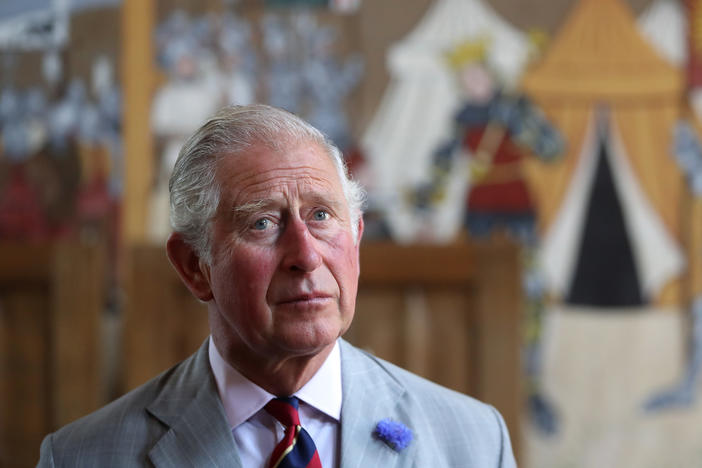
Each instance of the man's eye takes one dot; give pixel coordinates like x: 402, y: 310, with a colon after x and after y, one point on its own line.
x: 261, y: 224
x: 321, y: 215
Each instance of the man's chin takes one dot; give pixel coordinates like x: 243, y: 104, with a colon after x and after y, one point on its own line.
x: 310, y: 343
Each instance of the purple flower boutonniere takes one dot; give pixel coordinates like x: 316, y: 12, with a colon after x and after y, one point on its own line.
x: 394, y: 433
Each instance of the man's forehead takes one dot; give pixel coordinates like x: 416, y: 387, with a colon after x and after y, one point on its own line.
x: 281, y: 185
x: 283, y: 181
x: 264, y: 168
x: 277, y: 152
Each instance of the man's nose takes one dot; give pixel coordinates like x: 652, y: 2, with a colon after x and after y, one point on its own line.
x: 301, y: 253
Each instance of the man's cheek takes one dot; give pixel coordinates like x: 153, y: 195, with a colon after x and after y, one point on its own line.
x: 255, y: 274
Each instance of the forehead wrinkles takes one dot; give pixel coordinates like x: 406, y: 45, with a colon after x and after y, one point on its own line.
x: 287, y: 181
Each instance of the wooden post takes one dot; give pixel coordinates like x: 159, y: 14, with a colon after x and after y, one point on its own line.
x: 498, y: 309
x: 138, y: 79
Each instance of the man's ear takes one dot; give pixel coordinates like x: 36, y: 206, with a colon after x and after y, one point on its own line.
x: 359, y: 235
x: 193, y: 271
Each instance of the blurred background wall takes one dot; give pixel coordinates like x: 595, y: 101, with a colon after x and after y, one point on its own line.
x: 533, y: 221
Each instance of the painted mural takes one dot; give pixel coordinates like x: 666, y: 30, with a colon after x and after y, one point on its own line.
x: 286, y: 58
x: 609, y: 176
x: 584, y: 147
x: 61, y: 164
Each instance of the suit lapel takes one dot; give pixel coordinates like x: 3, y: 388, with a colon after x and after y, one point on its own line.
x: 370, y: 394
x: 198, y: 432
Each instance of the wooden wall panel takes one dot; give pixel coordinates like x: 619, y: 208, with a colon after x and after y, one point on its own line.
x: 452, y: 359
x: 163, y: 322
x: 51, y: 298
x: 25, y: 406
x: 385, y: 333
x: 78, y: 293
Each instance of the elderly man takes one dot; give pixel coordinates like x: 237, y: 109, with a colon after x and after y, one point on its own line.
x: 267, y: 227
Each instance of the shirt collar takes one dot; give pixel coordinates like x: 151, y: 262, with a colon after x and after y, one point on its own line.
x: 242, y: 398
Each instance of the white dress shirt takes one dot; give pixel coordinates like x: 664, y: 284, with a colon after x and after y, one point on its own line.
x: 257, y: 433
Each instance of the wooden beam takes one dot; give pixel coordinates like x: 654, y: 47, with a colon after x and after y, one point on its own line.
x: 386, y: 262
x: 22, y: 265
x: 138, y: 79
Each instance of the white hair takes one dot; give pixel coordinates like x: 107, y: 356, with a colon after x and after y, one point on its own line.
x: 194, y: 192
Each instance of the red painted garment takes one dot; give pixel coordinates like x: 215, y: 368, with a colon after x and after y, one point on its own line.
x: 502, y: 188
x: 21, y: 214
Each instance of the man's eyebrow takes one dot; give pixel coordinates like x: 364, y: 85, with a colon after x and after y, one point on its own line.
x: 252, y: 207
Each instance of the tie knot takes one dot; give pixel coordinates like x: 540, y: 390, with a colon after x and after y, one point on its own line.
x: 284, y: 410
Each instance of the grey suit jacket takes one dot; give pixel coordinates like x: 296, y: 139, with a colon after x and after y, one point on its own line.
x: 177, y: 419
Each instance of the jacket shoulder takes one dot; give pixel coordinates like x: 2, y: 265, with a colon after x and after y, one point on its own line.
x: 419, y: 388
x: 458, y: 427
x: 432, y: 395
x: 118, y: 434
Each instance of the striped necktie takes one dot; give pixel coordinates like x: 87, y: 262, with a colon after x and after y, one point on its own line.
x: 296, y: 450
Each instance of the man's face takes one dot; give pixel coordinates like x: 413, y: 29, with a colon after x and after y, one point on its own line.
x: 284, y: 268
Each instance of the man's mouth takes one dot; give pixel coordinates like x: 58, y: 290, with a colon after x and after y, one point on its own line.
x: 311, y: 299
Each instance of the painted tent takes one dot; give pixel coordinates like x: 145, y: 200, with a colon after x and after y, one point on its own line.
x: 601, y: 77
x: 417, y: 109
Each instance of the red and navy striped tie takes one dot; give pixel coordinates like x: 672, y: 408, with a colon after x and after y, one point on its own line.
x: 296, y: 450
